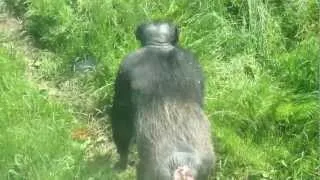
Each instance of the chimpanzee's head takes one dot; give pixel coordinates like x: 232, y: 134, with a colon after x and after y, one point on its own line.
x: 157, y: 33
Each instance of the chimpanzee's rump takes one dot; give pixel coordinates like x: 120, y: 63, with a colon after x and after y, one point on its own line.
x: 172, y: 134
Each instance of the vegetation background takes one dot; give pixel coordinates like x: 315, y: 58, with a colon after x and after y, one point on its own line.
x: 260, y: 57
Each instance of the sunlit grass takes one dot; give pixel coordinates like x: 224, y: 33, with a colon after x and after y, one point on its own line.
x: 260, y: 58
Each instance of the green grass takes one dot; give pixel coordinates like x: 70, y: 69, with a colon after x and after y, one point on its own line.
x: 261, y: 61
x: 36, y: 131
x: 35, y: 139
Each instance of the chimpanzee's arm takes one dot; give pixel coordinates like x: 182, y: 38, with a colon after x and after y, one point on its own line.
x: 122, y: 114
x: 196, y: 70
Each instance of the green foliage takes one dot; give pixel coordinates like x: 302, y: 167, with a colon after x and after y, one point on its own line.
x: 261, y: 60
x: 48, y: 22
x: 257, y: 116
x: 35, y: 133
x: 16, y: 7
x: 299, y: 67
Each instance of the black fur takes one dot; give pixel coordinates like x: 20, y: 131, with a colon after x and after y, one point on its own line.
x: 159, y: 99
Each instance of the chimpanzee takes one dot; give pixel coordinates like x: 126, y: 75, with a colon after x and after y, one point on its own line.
x: 159, y: 100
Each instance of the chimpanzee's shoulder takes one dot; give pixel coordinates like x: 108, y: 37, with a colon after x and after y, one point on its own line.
x: 185, y: 54
x: 132, y: 58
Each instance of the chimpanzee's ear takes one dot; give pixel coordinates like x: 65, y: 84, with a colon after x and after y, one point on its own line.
x: 138, y: 32
x: 176, y: 34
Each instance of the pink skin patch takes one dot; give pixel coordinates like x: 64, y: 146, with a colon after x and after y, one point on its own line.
x: 183, y: 173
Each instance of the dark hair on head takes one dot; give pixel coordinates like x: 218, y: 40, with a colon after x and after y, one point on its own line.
x: 151, y: 31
